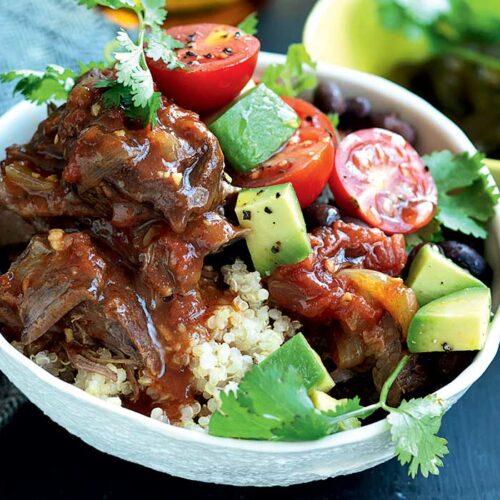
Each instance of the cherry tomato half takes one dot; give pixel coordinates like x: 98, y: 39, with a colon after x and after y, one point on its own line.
x: 219, y: 60
x: 306, y: 161
x: 379, y: 178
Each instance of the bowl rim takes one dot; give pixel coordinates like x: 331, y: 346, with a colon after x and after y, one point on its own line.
x: 365, y: 433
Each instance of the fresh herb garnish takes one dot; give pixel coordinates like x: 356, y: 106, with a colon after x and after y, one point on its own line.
x: 40, y: 87
x: 431, y: 233
x: 249, y: 24
x: 335, y: 120
x: 134, y: 87
x: 450, y: 27
x: 291, y: 78
x: 274, y: 405
x: 467, y: 193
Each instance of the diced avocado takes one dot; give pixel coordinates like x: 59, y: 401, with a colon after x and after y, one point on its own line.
x: 432, y: 275
x: 254, y: 128
x: 278, y: 232
x: 298, y: 353
x: 456, y: 322
x: 494, y: 167
x: 324, y: 402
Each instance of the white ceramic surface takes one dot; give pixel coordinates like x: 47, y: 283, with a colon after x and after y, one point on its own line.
x: 197, y: 456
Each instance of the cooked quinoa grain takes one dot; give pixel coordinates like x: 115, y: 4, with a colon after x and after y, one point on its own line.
x: 240, y: 335
x: 233, y: 338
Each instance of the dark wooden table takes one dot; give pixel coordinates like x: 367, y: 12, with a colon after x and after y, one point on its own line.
x: 41, y: 460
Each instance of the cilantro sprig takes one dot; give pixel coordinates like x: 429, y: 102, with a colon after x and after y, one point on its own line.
x: 53, y: 84
x: 467, y: 194
x: 249, y: 24
x: 292, y: 77
x: 134, y: 88
x: 274, y: 405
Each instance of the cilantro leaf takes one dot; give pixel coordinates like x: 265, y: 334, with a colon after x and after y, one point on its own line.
x: 119, y: 95
x: 291, y: 78
x: 238, y: 422
x: 112, y: 4
x: 42, y: 86
x: 132, y: 71
x: 162, y: 46
x: 154, y: 12
x: 431, y: 233
x: 249, y: 24
x: 467, y: 195
x: 134, y: 89
x: 274, y: 405
x: 414, y: 427
x: 334, y: 119
x: 86, y: 67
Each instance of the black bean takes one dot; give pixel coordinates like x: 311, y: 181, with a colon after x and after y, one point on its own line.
x: 320, y: 214
x: 391, y: 121
x: 467, y: 258
x: 328, y: 98
x: 357, y: 114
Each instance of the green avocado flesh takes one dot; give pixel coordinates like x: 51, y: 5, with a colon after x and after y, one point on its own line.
x: 324, y: 402
x: 432, y: 275
x: 494, y: 166
x: 254, y: 128
x: 456, y: 322
x: 298, y: 353
x: 278, y: 232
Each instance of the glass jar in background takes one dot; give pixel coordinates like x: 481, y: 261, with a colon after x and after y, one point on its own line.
x: 194, y: 11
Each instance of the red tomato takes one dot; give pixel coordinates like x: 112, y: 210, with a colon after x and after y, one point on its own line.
x: 379, y: 178
x: 219, y: 60
x: 306, y: 161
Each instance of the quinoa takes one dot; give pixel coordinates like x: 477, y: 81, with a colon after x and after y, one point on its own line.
x: 92, y: 383
x: 233, y: 338
x: 50, y: 362
x: 102, y: 387
x: 240, y: 335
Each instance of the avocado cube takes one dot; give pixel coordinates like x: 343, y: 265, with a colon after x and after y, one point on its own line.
x: 254, y: 128
x: 456, y: 322
x: 298, y: 353
x: 432, y: 275
x: 324, y: 402
x: 278, y: 232
x: 494, y: 167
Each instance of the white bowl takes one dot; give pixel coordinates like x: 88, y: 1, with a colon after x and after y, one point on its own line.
x: 201, y: 457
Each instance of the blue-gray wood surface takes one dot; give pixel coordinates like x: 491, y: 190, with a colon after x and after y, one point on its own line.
x: 38, y: 459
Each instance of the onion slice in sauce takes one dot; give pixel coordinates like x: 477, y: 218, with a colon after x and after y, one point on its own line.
x: 396, y: 298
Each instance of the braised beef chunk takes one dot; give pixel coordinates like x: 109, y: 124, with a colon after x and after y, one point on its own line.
x: 44, y: 151
x: 64, y: 280
x: 170, y: 263
x: 176, y: 168
x: 31, y: 194
x: 13, y: 228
